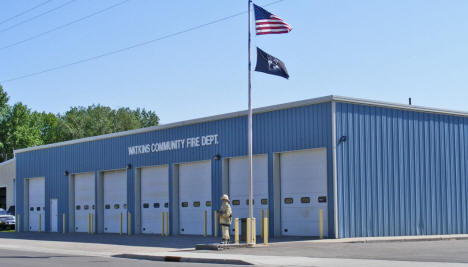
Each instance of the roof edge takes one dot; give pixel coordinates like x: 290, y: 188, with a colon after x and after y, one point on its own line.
x: 7, y: 162
x: 362, y: 101
x: 181, y: 123
x: 299, y: 103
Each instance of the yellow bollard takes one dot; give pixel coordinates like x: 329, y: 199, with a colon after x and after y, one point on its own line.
x: 236, y: 230
x: 63, y: 223
x: 167, y: 223
x: 254, y: 230
x: 40, y: 222
x: 129, y: 223
x: 321, y: 223
x: 265, y: 231
x: 262, y: 217
x: 162, y: 223
x: 248, y: 234
x: 215, y: 220
x: 121, y: 219
x: 204, y: 224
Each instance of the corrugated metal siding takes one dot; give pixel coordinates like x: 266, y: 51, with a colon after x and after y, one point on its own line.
x: 282, y: 130
x: 401, y: 172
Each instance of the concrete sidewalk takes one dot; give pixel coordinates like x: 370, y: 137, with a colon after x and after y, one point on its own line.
x: 283, y: 252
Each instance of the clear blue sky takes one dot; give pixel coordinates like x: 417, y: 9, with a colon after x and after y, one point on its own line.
x: 382, y: 50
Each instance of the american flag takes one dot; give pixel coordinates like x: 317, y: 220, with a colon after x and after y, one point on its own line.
x: 267, y: 23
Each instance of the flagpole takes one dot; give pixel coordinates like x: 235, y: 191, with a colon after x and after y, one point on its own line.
x: 250, y: 136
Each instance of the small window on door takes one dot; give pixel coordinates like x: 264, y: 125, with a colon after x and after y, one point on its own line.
x: 31, y: 208
x: 264, y: 201
x: 116, y: 206
x: 208, y: 203
x: 107, y: 206
x: 145, y: 205
x: 78, y: 207
x: 288, y: 200
x: 125, y: 205
x: 305, y: 200
x: 236, y: 202
x: 247, y: 202
x: 38, y: 208
x: 184, y: 204
x: 166, y: 205
x: 196, y: 204
x: 156, y: 205
x: 86, y: 207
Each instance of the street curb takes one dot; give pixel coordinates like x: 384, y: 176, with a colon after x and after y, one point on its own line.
x: 181, y: 259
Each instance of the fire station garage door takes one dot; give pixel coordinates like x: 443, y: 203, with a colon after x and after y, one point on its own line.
x: 115, y: 201
x: 303, y: 192
x: 84, y: 200
x: 195, y: 197
x: 36, y: 204
x: 239, y: 187
x: 154, y: 198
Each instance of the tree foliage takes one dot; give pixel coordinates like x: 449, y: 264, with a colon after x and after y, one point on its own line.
x: 20, y: 127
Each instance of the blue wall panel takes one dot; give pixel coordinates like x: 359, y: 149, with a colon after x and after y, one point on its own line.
x: 275, y: 131
x: 401, y: 172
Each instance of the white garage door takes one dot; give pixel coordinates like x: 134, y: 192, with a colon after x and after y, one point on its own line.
x: 195, y: 197
x: 84, y: 200
x: 303, y: 192
x: 36, y: 204
x: 239, y: 187
x: 154, y: 198
x: 115, y: 201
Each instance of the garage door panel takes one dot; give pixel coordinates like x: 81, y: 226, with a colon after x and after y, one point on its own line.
x: 195, y: 187
x: 36, y: 207
x: 84, y: 200
x: 303, y: 180
x: 154, y: 198
x: 239, y: 187
x: 115, y: 201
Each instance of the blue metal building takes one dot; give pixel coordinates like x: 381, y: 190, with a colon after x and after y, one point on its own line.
x: 371, y: 169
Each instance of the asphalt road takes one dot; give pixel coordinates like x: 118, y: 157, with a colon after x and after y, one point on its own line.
x: 13, y: 258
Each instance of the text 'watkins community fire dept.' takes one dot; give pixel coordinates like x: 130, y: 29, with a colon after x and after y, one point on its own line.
x: 190, y: 142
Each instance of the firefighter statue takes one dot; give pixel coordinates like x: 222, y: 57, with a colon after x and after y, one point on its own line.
x: 225, y: 218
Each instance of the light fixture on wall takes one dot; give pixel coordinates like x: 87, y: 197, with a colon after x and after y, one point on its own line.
x: 65, y: 173
x: 129, y: 166
x: 217, y: 157
x: 342, y: 139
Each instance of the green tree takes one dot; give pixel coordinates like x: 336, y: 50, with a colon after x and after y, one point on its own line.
x: 48, y: 123
x: 20, y: 129
x: 4, y: 110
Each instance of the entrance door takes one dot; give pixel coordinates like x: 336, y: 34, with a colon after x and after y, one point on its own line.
x: 53, y: 215
x: 195, y: 197
x: 115, y: 201
x: 303, y: 192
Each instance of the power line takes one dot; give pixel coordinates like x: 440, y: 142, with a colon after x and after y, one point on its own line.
x: 131, y: 47
x: 37, y: 16
x: 24, y: 12
x: 64, y: 25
